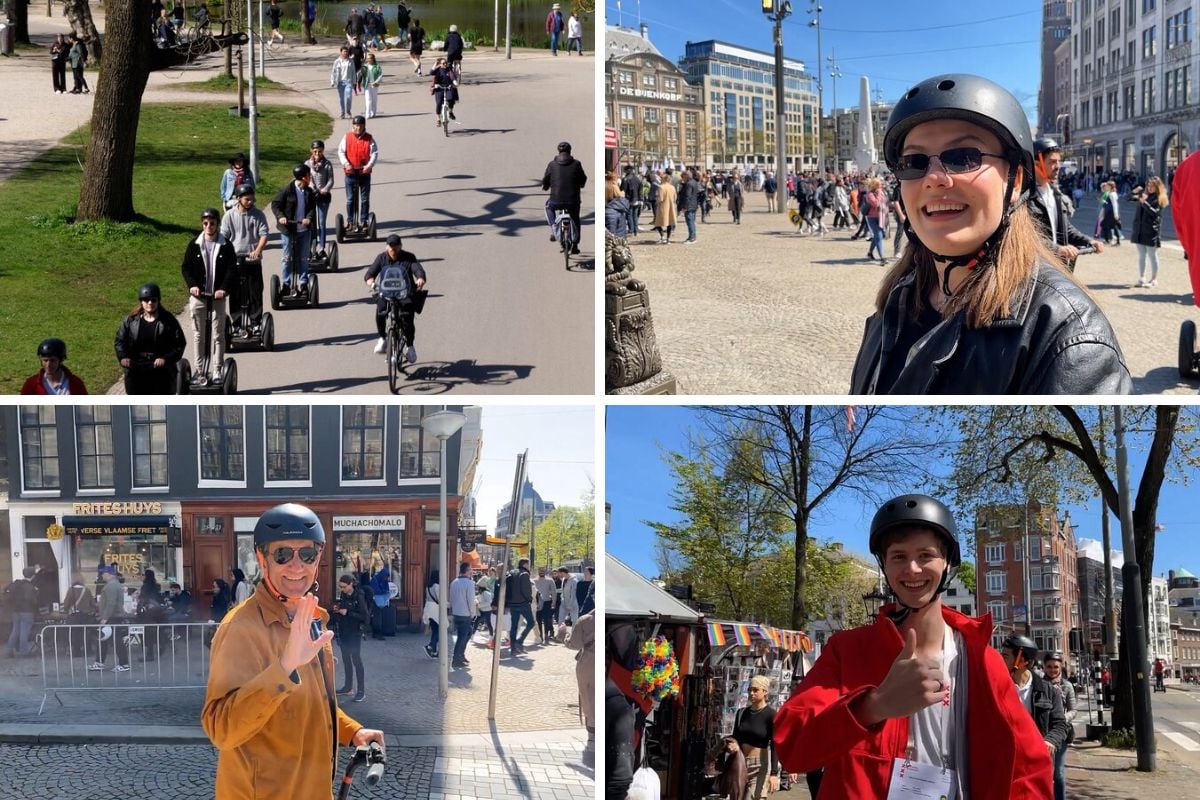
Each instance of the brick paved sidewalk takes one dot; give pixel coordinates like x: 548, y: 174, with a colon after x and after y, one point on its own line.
x: 756, y: 309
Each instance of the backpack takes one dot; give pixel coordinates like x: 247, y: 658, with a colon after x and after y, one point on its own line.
x: 393, y: 283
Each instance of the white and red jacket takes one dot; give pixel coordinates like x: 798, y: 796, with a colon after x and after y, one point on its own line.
x: 815, y: 728
x: 358, y: 153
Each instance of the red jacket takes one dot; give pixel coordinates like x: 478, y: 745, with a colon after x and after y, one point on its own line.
x: 34, y: 385
x: 815, y: 727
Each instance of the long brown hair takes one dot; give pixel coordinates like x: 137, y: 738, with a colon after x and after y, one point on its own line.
x: 987, y: 294
x: 1160, y: 192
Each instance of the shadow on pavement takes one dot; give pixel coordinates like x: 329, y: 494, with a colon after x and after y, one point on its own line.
x: 586, y: 265
x: 320, y: 386
x: 479, y: 131
x: 510, y: 764
x: 1157, y: 380
x: 449, y: 374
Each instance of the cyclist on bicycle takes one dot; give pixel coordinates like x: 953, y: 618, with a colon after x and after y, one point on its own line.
x: 322, y: 184
x: 565, y: 179
x: 396, y: 258
x: 442, y: 86
x: 358, y: 153
x: 454, y: 48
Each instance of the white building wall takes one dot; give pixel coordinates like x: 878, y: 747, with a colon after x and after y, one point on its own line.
x: 1159, y: 634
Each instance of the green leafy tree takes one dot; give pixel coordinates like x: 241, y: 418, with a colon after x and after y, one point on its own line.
x: 966, y: 574
x: 567, y: 533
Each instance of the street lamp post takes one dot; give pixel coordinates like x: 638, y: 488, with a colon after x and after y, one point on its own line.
x: 816, y: 9
x: 443, y: 425
x: 873, y: 601
x: 777, y: 12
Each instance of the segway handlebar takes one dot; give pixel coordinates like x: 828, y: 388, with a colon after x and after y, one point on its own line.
x: 371, y: 754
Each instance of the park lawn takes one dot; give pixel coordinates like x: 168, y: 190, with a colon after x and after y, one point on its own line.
x: 225, y: 83
x: 77, y: 282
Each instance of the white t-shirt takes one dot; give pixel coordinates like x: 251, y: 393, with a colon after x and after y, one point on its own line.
x: 1048, y: 200
x: 933, y: 727
x: 1026, y: 694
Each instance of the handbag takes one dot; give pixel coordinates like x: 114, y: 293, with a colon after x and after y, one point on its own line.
x: 645, y: 785
x: 430, y: 612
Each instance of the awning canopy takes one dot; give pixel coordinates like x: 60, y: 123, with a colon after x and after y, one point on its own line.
x: 132, y: 525
x: 628, y: 595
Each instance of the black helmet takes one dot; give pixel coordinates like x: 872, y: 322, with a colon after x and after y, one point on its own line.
x: 53, y: 348
x: 564, y: 147
x: 317, y: 144
x: 288, y: 521
x: 301, y: 171
x: 210, y: 213
x: 916, y: 509
x: 149, y: 291
x: 359, y: 119
x: 1022, y: 644
x: 966, y: 97
x: 1045, y: 144
x: 1053, y: 656
x: 244, y: 189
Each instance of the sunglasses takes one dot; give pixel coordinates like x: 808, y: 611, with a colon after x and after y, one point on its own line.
x: 208, y: 221
x: 284, y: 555
x: 955, y: 161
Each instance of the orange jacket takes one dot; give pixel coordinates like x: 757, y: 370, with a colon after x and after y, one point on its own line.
x: 274, y: 735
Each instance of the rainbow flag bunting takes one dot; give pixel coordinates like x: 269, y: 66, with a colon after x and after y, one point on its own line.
x: 742, y: 633
x: 716, y: 634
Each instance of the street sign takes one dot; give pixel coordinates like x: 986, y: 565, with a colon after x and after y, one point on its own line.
x: 472, y: 535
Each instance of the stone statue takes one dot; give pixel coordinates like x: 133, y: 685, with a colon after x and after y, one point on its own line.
x: 632, y: 364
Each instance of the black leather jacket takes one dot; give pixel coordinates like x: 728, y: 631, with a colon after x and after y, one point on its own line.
x: 169, y: 341
x: 1066, y: 232
x: 1048, y: 713
x: 1055, y: 341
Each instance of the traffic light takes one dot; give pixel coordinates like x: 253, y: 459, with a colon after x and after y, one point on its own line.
x: 1066, y: 130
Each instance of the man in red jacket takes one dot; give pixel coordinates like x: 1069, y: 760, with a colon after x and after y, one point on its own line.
x: 917, y: 704
x: 53, y: 377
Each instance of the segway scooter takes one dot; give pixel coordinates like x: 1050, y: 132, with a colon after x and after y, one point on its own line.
x: 299, y: 294
x: 354, y: 232
x: 371, y: 754
x: 322, y: 262
x: 200, y: 381
x: 143, y: 365
x: 247, y: 326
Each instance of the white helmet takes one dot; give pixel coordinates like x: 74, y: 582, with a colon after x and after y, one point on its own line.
x: 454, y: 29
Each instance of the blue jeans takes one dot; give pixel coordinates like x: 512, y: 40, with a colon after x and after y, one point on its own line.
x: 300, y: 241
x: 690, y: 218
x: 462, y: 635
x: 322, y: 216
x: 554, y: 42
x: 633, y: 219
x: 876, y: 237
x: 433, y: 636
x: 520, y: 611
x: 1060, y: 779
x: 22, y: 626
x: 345, y: 90
x: 572, y: 210
x: 358, y: 185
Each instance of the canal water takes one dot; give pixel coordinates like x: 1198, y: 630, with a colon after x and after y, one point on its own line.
x: 471, y: 17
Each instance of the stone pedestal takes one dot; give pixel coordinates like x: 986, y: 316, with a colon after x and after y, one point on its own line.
x: 632, y: 364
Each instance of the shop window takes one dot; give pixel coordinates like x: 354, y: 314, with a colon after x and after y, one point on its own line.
x: 362, y: 443
x: 39, y: 449
x: 94, y: 446
x: 209, y: 526
x: 222, y: 444
x: 366, y: 552
x: 148, y: 433
x: 420, y: 455
x: 288, y: 444
x: 133, y: 555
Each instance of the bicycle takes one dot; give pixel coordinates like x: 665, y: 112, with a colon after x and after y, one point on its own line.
x: 395, y: 291
x: 562, y: 232
x: 447, y: 91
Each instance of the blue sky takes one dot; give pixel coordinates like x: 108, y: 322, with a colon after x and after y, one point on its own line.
x: 639, y: 486
x: 895, y: 44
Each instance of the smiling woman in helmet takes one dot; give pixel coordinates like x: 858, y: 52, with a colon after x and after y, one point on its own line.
x: 978, y: 304
x: 270, y: 708
x: 887, y: 704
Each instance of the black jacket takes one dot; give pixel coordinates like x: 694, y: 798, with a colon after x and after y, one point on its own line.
x: 631, y: 185
x: 454, y: 46
x: 689, y: 195
x: 169, y: 341
x: 407, y: 262
x: 350, y: 625
x: 565, y: 179
x: 519, y: 588
x: 1056, y: 341
x: 1147, y: 223
x: 1048, y: 712
x: 20, y: 595
x: 226, y: 270
x: 619, y: 718
x: 284, y: 205
x: 1066, y: 232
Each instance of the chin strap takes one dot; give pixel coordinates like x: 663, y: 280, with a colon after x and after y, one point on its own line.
x: 983, y: 255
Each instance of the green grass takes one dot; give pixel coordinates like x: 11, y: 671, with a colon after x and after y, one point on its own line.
x: 225, y: 83
x: 77, y: 281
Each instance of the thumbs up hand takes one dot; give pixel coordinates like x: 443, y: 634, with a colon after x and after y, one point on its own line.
x: 913, y: 683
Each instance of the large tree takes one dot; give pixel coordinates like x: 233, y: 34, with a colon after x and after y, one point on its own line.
x: 18, y: 15
x: 567, y: 533
x: 79, y: 14
x: 1011, y: 454
x: 801, y: 456
x: 106, y: 190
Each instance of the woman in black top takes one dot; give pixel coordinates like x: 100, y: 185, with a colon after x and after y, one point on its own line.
x: 149, y: 345
x: 754, y: 730
x: 221, y: 600
x: 1147, y: 229
x: 350, y: 613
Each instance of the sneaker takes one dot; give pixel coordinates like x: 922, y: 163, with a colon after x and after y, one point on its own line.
x: 438, y: 122
x: 346, y: 690
x: 458, y: 664
x: 553, y: 238
x: 358, y: 698
x: 574, y: 249
x: 380, y: 347
x: 96, y: 667
x: 429, y: 651
x: 411, y: 354
x: 1152, y: 284
x: 452, y: 115
x: 121, y: 668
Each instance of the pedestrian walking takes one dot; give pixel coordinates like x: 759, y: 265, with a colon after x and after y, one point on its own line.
x: 369, y: 78
x: 1147, y: 228
x: 60, y: 53
x: 430, y: 613
x: 568, y: 607
x: 545, y: 600
x: 754, y: 732
x: 350, y: 617
x: 463, y: 611
x: 109, y: 634
x: 583, y: 640
x: 736, y: 200
x: 665, y: 216
x: 78, y: 56
x: 574, y: 34
x: 770, y: 188
x: 416, y: 44
x: 918, y: 702
x: 341, y: 78
x: 518, y: 596
x: 554, y: 27
x: 1054, y: 676
x: 20, y: 599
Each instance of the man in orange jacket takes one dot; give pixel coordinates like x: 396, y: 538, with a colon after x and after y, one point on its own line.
x: 270, y: 708
x: 885, y: 708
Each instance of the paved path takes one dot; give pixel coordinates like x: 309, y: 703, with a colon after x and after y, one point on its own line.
x: 503, y: 315
x: 756, y: 309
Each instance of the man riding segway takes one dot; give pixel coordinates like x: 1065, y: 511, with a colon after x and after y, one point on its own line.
x: 246, y: 226
x: 358, y: 153
x: 209, y: 269
x: 53, y: 377
x: 295, y: 212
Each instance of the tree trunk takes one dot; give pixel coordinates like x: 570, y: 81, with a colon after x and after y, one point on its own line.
x: 801, y: 469
x: 80, y: 17
x: 106, y: 191
x: 18, y: 13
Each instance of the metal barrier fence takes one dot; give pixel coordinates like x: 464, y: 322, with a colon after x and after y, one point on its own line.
x: 124, y: 655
